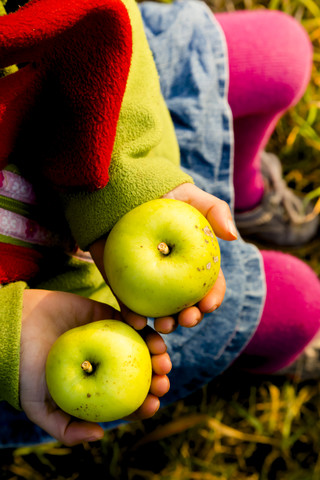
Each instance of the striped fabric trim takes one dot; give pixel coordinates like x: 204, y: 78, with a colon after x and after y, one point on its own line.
x: 18, y: 205
x: 16, y: 187
x: 22, y: 228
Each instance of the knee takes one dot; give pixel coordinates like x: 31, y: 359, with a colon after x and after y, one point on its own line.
x: 270, y: 60
x: 293, y: 294
x: 291, y: 314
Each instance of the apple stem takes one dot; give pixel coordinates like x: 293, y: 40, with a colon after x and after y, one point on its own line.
x: 163, y: 248
x: 86, y: 366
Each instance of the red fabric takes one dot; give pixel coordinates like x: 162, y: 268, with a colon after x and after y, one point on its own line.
x: 13, y: 106
x: 18, y: 263
x: 62, y: 109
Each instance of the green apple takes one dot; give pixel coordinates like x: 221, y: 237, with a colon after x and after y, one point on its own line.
x: 161, y: 257
x: 99, y: 372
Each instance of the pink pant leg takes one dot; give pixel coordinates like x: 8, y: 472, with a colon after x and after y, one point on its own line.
x: 291, y: 314
x: 270, y: 59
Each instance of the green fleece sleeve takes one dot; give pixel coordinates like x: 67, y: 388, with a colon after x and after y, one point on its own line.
x: 145, y: 161
x: 10, y: 328
x: 92, y: 215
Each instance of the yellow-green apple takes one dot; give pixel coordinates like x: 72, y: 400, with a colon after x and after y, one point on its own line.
x: 161, y: 257
x: 99, y: 372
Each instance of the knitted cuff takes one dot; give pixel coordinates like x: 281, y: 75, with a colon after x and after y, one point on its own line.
x: 10, y: 329
x: 23, y: 236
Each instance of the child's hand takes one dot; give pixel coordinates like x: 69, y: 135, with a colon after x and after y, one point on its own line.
x: 46, y: 315
x: 219, y: 216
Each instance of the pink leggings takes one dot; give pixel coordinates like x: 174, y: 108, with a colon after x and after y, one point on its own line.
x: 270, y: 58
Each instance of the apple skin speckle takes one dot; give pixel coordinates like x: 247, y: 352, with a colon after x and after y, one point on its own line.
x: 208, y: 231
x: 156, y: 285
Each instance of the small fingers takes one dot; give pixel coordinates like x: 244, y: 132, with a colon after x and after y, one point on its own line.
x: 136, y: 321
x: 160, y: 385
x: 161, y: 364
x: 65, y: 429
x: 214, y: 298
x: 190, y: 317
x: 155, y: 342
x: 215, y: 210
x: 149, y: 407
x: 79, y: 432
x: 165, y: 324
x: 219, y: 216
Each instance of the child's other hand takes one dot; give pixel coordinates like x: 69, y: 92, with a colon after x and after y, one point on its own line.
x: 216, y: 211
x: 46, y: 315
x: 219, y: 216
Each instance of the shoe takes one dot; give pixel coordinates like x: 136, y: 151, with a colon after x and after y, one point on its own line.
x: 280, y: 219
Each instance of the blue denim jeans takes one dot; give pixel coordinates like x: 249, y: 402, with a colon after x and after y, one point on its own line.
x: 191, y: 57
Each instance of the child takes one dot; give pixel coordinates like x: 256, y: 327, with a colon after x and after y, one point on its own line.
x: 114, y: 147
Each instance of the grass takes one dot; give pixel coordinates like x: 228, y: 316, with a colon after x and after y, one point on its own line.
x: 233, y: 429
x: 237, y: 427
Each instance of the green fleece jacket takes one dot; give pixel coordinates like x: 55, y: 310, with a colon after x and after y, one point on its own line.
x: 65, y: 180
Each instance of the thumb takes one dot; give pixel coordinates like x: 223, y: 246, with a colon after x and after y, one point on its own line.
x: 216, y: 211
x: 65, y: 429
x: 66, y: 310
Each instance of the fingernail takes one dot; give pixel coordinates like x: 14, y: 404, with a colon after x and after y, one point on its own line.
x: 94, y: 438
x: 167, y: 326
x: 232, y: 229
x: 139, y: 323
x: 212, y: 309
x: 191, y: 323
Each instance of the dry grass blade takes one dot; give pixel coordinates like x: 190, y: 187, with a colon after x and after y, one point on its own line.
x: 25, y: 471
x: 225, y: 430
x: 48, y: 448
x: 187, y: 422
x: 174, y: 427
